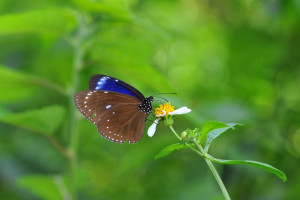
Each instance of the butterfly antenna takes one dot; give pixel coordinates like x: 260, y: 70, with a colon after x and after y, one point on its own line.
x: 158, y: 100
x: 161, y: 98
x: 166, y: 93
x: 153, y: 114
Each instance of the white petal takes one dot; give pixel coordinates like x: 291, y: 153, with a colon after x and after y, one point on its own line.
x: 162, y: 115
x: 152, y: 128
x: 180, y: 111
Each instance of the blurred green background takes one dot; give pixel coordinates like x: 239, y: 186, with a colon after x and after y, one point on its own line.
x: 233, y: 61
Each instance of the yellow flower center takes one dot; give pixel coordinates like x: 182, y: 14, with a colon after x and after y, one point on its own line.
x: 167, y: 107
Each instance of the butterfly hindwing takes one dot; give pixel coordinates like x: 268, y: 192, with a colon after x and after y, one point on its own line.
x: 108, y: 83
x: 115, y: 114
x: 122, y: 123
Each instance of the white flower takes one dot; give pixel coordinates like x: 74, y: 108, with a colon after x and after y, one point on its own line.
x: 152, y: 128
x: 179, y: 111
x: 162, y: 112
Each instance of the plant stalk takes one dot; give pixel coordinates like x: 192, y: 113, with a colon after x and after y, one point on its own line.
x: 202, y: 153
x: 213, y: 170
x: 73, y: 123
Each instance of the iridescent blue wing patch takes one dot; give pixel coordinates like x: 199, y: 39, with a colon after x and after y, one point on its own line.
x: 104, y: 82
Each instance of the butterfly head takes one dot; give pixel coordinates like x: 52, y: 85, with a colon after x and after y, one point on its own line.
x: 146, y: 105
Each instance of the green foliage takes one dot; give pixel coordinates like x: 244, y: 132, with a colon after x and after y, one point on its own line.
x: 169, y: 149
x: 51, y: 21
x: 114, y: 9
x: 45, y: 120
x: 15, y: 86
x: 210, y: 126
x: 264, y: 166
x: 45, y: 187
x: 209, y: 131
x: 212, y: 130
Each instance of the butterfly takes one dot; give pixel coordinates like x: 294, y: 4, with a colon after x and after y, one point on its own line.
x: 117, y: 109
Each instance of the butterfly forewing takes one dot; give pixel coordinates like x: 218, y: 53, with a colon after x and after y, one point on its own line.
x: 115, y: 114
x: 104, y: 82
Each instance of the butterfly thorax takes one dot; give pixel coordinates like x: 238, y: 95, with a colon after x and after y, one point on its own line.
x: 146, y: 105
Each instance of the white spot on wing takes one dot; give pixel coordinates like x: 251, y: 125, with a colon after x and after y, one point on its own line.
x: 108, y: 106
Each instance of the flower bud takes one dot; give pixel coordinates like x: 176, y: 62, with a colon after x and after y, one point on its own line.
x: 184, y: 135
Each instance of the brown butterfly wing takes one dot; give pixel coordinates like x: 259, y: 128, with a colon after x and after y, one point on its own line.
x: 121, y: 124
x: 116, y: 115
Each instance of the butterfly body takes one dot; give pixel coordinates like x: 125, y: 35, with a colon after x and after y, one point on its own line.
x: 117, y: 109
x: 146, y: 105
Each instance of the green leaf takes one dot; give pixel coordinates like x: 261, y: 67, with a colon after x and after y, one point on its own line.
x: 209, y: 126
x: 4, y: 111
x: 114, y: 9
x: 45, y: 187
x: 45, y: 120
x: 264, y: 166
x: 169, y: 149
x: 14, y: 86
x: 46, y: 21
x: 18, y: 86
x: 216, y: 131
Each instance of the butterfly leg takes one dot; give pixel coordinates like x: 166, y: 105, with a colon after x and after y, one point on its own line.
x: 153, y: 114
x: 151, y: 121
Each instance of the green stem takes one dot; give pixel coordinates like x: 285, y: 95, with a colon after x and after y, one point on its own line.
x: 202, y: 153
x: 213, y: 170
x: 48, y: 84
x: 172, y: 129
x: 189, y: 146
x: 73, y: 124
x: 58, y: 146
